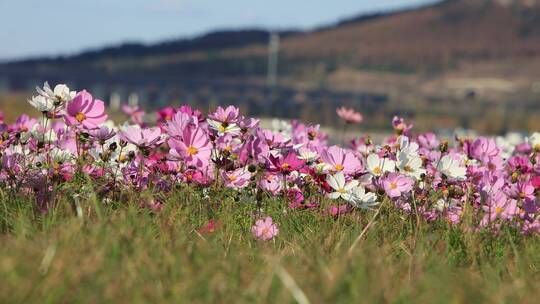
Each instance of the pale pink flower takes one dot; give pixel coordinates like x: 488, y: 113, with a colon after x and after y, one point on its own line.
x: 135, y: 113
x: 349, y: 115
x: 265, y: 229
x: 396, y: 184
x: 271, y: 183
x: 236, y: 179
x: 142, y: 138
x: 228, y: 115
x: 341, y: 160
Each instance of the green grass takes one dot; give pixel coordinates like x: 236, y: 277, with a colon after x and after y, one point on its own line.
x: 118, y: 252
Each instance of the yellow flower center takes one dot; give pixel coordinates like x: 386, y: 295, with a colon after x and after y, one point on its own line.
x: 408, y: 169
x: 191, y: 150
x: 498, y: 210
x: 285, y: 166
x: 221, y: 129
x: 341, y: 190
x: 393, y: 185
x: 232, y: 178
x: 338, y: 167
x: 80, y: 116
x: 377, y: 170
x: 122, y: 158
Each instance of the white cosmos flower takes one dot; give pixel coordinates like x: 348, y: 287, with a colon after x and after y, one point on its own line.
x: 307, y: 155
x: 224, y: 128
x: 341, y: 187
x: 41, y: 103
x: 443, y: 204
x: 534, y: 141
x: 451, y: 168
x: 406, y: 146
x: 362, y: 199
x: 378, y: 166
x: 60, y: 95
x: 282, y: 126
x: 410, y: 164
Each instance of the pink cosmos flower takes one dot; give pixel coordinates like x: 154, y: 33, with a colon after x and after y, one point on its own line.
x: 135, y: 113
x: 165, y: 114
x: 24, y: 123
x: 236, y: 179
x: 522, y: 190
x: 500, y: 206
x: 295, y: 198
x: 176, y: 125
x: 484, y: 149
x: 193, y: 147
x: 520, y: 163
x: 341, y: 160
x: 400, y: 126
x: 350, y: 116
x: 535, y: 181
x: 396, y: 184
x: 142, y: 138
x: 265, y: 229
x: 102, y: 133
x: 84, y: 111
x: 336, y: 211
x: 210, y: 227
x: 227, y: 115
x: 428, y: 141
x: 271, y: 183
x: 274, y: 140
x: 286, y: 164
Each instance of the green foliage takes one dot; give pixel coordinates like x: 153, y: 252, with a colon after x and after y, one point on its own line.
x: 119, y: 252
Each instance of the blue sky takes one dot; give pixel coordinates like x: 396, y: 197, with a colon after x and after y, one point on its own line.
x: 51, y: 27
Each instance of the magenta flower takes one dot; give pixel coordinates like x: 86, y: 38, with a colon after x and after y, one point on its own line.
x: 265, y: 229
x: 286, y: 164
x: 350, y: 116
x: 194, y: 147
x: 142, y: 138
x: 396, y: 184
x: 165, y: 114
x: 84, y: 111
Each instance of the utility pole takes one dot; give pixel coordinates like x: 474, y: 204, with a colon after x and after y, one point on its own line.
x: 273, y: 52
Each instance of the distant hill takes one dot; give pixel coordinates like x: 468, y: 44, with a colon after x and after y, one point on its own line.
x: 433, y: 37
x: 437, y: 36
x: 217, y: 40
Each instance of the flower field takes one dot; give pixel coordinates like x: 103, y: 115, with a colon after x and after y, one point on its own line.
x: 215, y: 208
